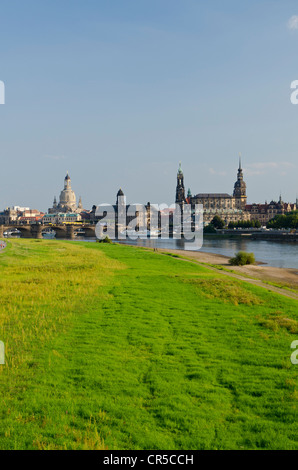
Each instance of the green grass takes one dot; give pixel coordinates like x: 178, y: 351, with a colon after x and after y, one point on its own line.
x: 115, y: 347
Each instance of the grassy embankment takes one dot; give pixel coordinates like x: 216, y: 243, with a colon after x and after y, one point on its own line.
x: 116, y: 347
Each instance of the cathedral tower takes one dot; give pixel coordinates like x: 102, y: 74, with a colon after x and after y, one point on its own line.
x: 180, y: 190
x: 240, y: 189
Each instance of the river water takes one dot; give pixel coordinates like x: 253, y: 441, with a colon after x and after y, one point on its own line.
x: 272, y: 253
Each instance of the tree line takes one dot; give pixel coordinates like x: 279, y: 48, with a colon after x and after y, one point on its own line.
x: 217, y: 223
x: 289, y: 220
x: 281, y: 221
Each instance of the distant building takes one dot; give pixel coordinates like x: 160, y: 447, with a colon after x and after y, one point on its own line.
x: 121, y: 216
x: 180, y: 190
x: 30, y: 217
x: 20, y: 215
x: 61, y: 218
x: 20, y: 209
x: 67, y: 200
x: 265, y: 212
x: 9, y: 216
x: 230, y: 208
x: 86, y: 215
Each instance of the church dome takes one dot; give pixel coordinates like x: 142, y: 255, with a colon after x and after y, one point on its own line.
x: 67, y: 200
x: 67, y: 197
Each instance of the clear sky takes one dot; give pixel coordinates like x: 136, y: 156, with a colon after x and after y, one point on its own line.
x: 118, y: 92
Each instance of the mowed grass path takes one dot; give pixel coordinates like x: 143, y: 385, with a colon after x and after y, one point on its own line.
x: 115, y: 347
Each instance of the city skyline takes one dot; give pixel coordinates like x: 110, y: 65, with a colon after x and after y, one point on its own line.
x: 171, y: 200
x: 120, y: 94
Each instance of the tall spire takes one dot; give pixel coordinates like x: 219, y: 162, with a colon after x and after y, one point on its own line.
x: 180, y: 190
x: 240, y: 188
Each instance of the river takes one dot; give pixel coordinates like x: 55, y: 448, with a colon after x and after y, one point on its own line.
x: 272, y: 253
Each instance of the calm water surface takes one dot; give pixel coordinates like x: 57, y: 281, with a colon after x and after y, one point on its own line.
x: 278, y: 254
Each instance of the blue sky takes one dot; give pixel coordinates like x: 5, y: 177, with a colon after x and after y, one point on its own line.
x: 118, y: 92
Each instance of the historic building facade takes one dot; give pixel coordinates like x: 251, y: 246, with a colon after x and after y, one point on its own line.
x: 20, y: 215
x: 62, y: 218
x: 67, y: 200
x: 230, y: 208
x: 265, y: 212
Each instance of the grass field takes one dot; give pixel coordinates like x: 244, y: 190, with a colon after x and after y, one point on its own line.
x: 115, y: 347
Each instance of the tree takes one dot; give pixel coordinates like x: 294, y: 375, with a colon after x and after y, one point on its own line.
x: 217, y: 222
x: 209, y: 229
x: 289, y: 220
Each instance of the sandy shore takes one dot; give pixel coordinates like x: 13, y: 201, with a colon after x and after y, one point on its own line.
x: 283, y: 276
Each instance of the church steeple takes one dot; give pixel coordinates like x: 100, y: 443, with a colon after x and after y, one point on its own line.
x: 240, y: 188
x: 180, y: 190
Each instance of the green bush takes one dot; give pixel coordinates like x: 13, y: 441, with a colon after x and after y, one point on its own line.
x: 105, y: 240
x: 241, y: 258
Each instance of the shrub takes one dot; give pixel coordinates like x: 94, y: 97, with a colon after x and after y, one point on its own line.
x: 105, y: 240
x: 241, y: 258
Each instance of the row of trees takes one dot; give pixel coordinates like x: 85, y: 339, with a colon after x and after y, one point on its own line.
x: 289, y: 220
x: 245, y: 224
x: 285, y: 221
x: 218, y: 223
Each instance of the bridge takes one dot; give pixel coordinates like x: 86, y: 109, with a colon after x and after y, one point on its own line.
x: 66, y: 231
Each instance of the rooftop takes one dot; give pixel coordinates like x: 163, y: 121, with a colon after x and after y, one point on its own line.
x: 212, y: 195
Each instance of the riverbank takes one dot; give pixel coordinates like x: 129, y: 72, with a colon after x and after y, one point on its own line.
x: 280, y: 277
x: 169, y: 354
x: 287, y: 277
x: 275, y: 235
